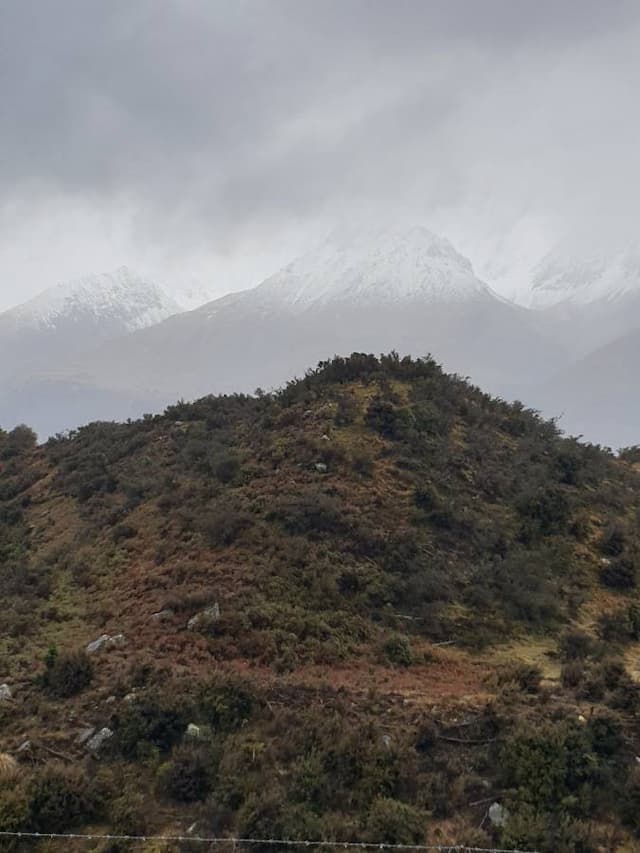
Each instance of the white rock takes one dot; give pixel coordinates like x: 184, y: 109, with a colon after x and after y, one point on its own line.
x: 204, y: 618
x: 498, y: 815
x: 98, y: 740
x: 85, y: 735
x: 106, y: 641
x: 5, y: 693
x: 162, y: 615
x: 321, y: 468
x: 98, y: 644
x: 193, y: 731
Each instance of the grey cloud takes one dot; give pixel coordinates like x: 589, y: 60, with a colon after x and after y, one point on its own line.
x: 213, y: 119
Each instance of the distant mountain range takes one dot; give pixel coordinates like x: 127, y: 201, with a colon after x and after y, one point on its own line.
x: 114, y: 346
x: 70, y: 318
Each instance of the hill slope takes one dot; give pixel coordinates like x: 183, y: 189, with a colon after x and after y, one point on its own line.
x: 365, y: 607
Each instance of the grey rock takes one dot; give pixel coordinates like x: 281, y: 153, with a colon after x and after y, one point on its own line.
x: 321, y: 468
x: 106, y: 642
x: 85, y: 735
x: 205, y: 618
x: 109, y: 700
x: 98, y: 644
x: 5, y: 693
x: 193, y: 731
x: 498, y: 815
x: 162, y: 615
x: 96, y: 743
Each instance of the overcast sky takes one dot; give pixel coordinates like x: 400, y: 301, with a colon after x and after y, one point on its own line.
x: 196, y: 139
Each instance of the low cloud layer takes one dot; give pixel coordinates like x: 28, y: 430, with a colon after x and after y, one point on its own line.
x: 209, y: 140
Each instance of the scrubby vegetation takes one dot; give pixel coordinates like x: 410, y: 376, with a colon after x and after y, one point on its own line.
x: 365, y: 607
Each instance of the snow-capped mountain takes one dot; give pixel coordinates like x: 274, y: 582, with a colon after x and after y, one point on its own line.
x: 119, y: 300
x: 72, y: 317
x: 192, y: 295
x: 586, y: 275
x: 373, y: 291
x: 375, y: 267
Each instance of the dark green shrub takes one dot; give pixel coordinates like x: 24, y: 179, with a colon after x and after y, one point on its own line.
x: 19, y: 440
x: 607, y: 735
x: 190, y: 774
x: 426, y: 736
x: 225, y: 467
x: 225, y: 524
x: 60, y: 799
x: 546, y: 512
x: 397, y: 650
x: 66, y: 674
x: 546, y: 763
x: 620, y: 574
x: 347, y: 410
x: 226, y: 707
x: 122, y: 532
x: 614, y: 539
x: 387, y: 419
x: 576, y: 645
x: 14, y: 809
x: 149, y: 719
x: 572, y: 674
x: 393, y: 822
x: 526, y: 676
x: 128, y: 815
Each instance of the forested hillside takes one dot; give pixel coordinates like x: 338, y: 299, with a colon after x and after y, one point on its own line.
x: 366, y: 607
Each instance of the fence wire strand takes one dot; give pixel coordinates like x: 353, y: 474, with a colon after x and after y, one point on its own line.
x: 283, y: 842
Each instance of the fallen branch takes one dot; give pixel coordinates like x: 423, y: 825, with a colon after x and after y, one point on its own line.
x: 464, y: 741
x: 56, y: 754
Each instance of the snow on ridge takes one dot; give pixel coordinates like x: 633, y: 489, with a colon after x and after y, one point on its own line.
x: 584, y: 277
x: 120, y: 297
x: 366, y: 266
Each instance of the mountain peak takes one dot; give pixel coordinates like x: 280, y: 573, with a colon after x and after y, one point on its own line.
x: 581, y: 276
x: 376, y: 265
x: 121, y: 297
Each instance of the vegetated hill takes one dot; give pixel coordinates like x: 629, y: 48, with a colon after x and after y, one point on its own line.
x: 365, y: 607
x: 402, y: 288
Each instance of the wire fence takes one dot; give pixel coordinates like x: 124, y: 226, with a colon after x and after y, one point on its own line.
x: 240, y: 842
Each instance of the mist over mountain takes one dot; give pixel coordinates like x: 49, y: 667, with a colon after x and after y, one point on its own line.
x: 116, y: 346
x: 371, y: 289
x: 70, y: 318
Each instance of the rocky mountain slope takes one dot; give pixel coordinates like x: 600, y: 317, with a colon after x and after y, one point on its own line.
x: 367, y: 607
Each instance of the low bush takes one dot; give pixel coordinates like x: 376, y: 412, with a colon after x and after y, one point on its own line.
x: 60, y: 799
x: 190, y: 774
x: 392, y: 822
x: 620, y: 574
x: 66, y: 674
x: 397, y: 651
